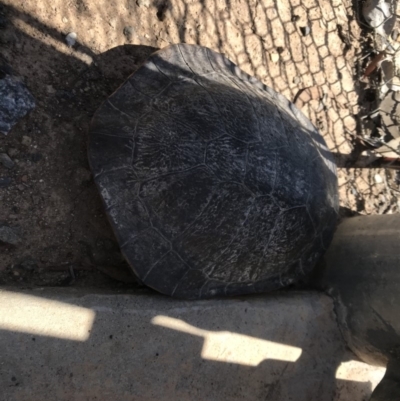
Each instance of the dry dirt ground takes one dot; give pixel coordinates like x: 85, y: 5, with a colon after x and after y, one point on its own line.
x: 52, y: 201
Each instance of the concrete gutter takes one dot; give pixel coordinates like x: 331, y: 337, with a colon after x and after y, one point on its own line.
x: 75, y: 345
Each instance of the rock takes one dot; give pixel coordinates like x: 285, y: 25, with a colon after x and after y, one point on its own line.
x: 64, y: 20
x: 296, y: 80
x: 305, y: 30
x: 113, y: 22
x: 391, y: 81
x: 70, y: 39
x: 15, y: 102
x: 143, y: 3
x: 129, y: 32
x: 378, y: 15
x: 295, y: 18
x: 274, y: 57
x: 5, y: 182
x: 8, y: 235
x: 6, y: 161
x: 389, y: 110
x: 26, y: 140
x: 12, y: 152
x: 24, y: 178
x: 378, y: 179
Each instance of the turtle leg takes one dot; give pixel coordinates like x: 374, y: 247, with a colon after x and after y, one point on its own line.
x: 389, y: 387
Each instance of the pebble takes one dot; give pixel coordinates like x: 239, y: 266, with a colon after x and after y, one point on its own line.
x: 6, y: 161
x: 8, y: 235
x: 378, y: 179
x: 26, y: 140
x: 12, y: 152
x: 389, y: 75
x: 296, y: 80
x: 143, y: 3
x: 274, y: 57
x: 65, y: 20
x: 24, y: 178
x: 71, y: 39
x: 15, y: 102
x: 305, y: 30
x: 21, y: 187
x: 129, y: 32
x: 5, y: 182
x: 375, y: 12
x: 113, y: 23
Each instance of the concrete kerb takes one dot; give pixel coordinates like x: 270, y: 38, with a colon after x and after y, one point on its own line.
x: 64, y: 344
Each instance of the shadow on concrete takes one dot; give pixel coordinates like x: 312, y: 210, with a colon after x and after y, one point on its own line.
x: 280, y: 347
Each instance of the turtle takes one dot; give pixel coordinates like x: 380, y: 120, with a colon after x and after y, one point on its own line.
x: 214, y: 184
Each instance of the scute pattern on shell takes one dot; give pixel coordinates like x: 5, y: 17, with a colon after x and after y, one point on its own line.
x: 214, y: 183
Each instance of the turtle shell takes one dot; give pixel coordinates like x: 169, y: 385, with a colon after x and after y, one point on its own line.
x: 214, y: 183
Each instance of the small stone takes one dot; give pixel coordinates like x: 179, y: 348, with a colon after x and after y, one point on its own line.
x: 305, y: 30
x: 21, y: 187
x: 274, y: 57
x: 143, y: 3
x: 378, y: 15
x: 15, y: 102
x: 64, y: 20
x: 295, y: 18
x: 70, y: 39
x: 378, y: 179
x: 6, y: 161
x: 12, y: 152
x: 5, y: 182
x: 26, y: 140
x: 113, y: 23
x: 129, y: 32
x: 8, y: 235
x: 50, y: 90
x: 296, y: 80
x: 24, y: 178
